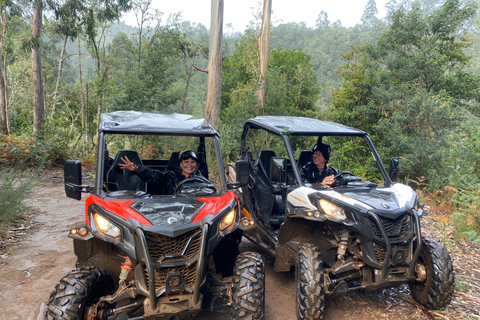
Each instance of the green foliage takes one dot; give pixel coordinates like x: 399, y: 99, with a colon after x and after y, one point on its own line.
x: 326, y: 42
x: 472, y: 236
x: 291, y: 88
x: 405, y: 90
x: 148, y: 84
x: 14, y: 188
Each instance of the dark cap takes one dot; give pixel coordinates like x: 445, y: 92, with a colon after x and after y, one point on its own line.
x: 187, y: 155
x: 324, y: 149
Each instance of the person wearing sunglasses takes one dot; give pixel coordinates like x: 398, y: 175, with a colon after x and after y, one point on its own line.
x: 165, y: 182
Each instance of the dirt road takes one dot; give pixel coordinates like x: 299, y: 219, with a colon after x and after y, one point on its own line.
x: 33, y: 266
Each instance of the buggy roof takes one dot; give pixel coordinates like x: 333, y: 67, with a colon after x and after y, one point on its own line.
x: 300, y: 126
x: 154, y: 123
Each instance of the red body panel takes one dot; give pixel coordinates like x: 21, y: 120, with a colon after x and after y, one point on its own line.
x: 120, y: 207
x: 213, y: 205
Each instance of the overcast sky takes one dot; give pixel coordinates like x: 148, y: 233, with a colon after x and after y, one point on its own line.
x: 239, y: 12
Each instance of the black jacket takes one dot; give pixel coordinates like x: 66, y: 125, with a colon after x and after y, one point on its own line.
x: 162, y: 182
x: 310, y: 173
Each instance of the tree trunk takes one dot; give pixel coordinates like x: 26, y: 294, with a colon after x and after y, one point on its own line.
x: 3, y: 103
x: 38, y: 97
x: 212, y: 107
x: 4, y: 123
x: 82, y: 104
x: 187, y: 83
x: 4, y: 61
x: 59, y: 76
x: 263, y: 49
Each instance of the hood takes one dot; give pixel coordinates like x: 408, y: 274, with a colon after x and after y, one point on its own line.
x: 169, y: 212
x: 386, y: 199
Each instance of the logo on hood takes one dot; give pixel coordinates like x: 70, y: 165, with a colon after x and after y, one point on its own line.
x: 172, y: 220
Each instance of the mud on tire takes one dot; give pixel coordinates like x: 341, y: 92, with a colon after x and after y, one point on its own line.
x: 310, y: 283
x: 248, y: 287
x: 76, y: 291
x: 437, y: 290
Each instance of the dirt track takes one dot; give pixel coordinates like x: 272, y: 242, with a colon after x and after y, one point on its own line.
x: 33, y: 266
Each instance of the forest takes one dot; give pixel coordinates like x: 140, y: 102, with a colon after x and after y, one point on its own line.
x: 411, y: 80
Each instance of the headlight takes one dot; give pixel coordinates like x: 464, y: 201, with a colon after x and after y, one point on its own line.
x: 332, y: 210
x: 106, y: 227
x: 227, y: 222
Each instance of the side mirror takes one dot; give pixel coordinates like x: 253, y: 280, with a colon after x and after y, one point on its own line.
x: 72, y: 172
x: 73, y: 177
x: 242, y: 169
x: 278, y: 169
x: 394, y: 169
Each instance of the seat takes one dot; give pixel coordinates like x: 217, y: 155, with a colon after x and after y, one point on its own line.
x: 304, y: 157
x: 174, y: 162
x: 263, y: 160
x: 123, y: 179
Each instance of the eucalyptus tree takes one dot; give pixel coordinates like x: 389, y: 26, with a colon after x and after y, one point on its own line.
x: 147, y: 19
x: 38, y: 93
x: 264, y: 49
x: 214, y: 69
x: 9, y: 10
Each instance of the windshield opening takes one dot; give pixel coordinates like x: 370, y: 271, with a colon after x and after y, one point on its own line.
x: 159, y: 154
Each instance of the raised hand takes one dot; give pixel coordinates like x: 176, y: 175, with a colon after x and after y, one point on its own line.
x: 127, y: 164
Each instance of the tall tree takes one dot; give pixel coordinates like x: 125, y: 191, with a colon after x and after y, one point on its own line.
x: 9, y: 11
x: 214, y: 69
x: 38, y: 93
x: 264, y: 48
x: 145, y: 16
x: 191, y: 50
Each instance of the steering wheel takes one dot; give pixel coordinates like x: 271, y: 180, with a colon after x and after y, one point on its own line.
x: 339, y: 178
x: 196, y: 183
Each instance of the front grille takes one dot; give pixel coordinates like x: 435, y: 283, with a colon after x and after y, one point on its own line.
x: 395, y: 229
x: 174, y: 256
x: 187, y: 272
x: 401, y: 254
x: 173, y: 249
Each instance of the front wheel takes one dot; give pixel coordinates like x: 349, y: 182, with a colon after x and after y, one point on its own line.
x: 248, y: 287
x: 434, y: 282
x: 76, y: 292
x: 310, y: 286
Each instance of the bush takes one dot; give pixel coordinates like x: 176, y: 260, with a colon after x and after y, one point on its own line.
x: 14, y: 188
x: 27, y: 153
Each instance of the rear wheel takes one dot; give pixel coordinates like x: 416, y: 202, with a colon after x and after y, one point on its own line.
x: 76, y: 291
x: 248, y: 287
x: 310, y: 286
x: 434, y: 276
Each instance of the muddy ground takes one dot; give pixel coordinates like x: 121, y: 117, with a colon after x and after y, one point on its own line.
x: 34, y: 257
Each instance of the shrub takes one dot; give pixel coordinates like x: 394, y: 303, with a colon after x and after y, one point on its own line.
x: 27, y: 153
x: 14, y: 188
